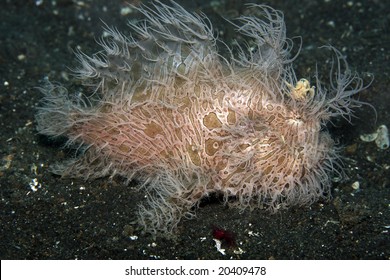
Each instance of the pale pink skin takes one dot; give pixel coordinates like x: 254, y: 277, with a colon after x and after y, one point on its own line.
x: 169, y: 111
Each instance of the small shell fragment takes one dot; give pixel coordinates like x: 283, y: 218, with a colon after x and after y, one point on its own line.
x: 380, y: 136
x: 239, y: 251
x: 218, y: 245
x: 382, y: 141
x: 369, y: 137
x: 356, y: 185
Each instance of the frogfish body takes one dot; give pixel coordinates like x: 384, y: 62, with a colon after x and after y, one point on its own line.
x: 165, y: 108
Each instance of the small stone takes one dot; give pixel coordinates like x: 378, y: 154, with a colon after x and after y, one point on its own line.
x: 128, y: 230
x: 351, y: 149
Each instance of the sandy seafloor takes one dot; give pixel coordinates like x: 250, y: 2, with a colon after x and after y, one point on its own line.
x: 73, y: 219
